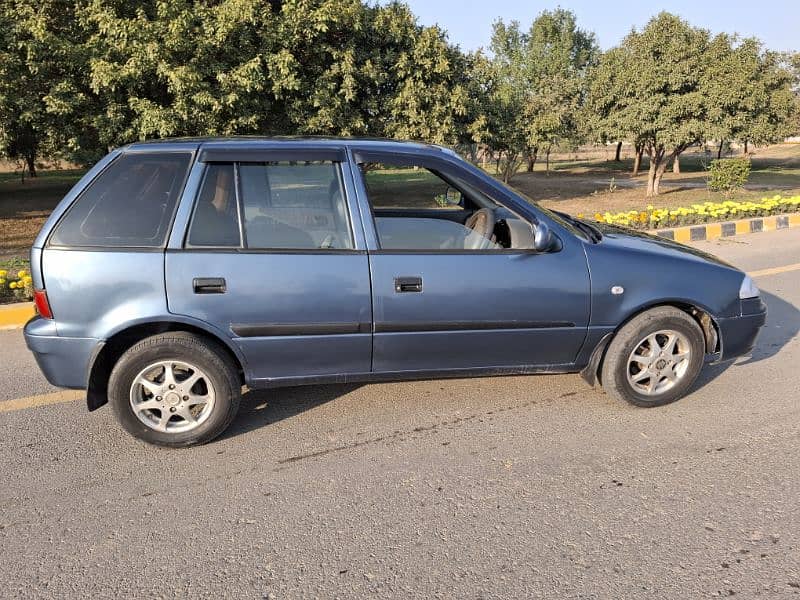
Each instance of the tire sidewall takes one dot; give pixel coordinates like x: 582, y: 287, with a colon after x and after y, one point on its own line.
x: 634, y: 337
x: 150, y: 351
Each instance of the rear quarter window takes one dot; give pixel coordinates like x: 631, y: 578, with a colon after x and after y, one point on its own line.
x: 130, y: 204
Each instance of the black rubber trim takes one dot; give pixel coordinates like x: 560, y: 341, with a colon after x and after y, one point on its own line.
x: 270, y: 154
x: 290, y: 329
x: 467, y: 326
x: 240, y: 250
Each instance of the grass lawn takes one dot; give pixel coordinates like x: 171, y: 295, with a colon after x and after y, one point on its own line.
x: 586, y: 182
x: 584, y: 186
x: 25, y: 206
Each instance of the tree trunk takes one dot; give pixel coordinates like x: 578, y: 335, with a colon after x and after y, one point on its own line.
x: 547, y: 160
x: 745, y: 147
x: 651, y: 179
x: 659, y: 174
x: 532, y: 159
x: 637, y: 161
x: 676, y: 164
x: 719, y: 152
x: 619, y: 149
x: 31, y: 162
x: 657, y: 167
x: 507, y: 171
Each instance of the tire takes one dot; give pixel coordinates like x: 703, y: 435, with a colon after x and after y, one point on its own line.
x: 654, y: 375
x: 142, y: 396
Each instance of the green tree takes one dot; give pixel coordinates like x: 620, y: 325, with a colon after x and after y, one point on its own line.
x: 41, y: 96
x: 505, y: 82
x: 537, y: 86
x: 749, y: 90
x: 558, y: 56
x: 336, y: 67
x: 380, y: 74
x: 182, y: 68
x: 650, y: 90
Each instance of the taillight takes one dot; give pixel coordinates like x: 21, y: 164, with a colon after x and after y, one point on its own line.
x: 42, y: 304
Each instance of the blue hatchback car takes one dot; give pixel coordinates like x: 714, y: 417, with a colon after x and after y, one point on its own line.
x: 177, y: 271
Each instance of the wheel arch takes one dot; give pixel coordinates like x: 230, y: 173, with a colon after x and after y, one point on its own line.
x: 108, y: 352
x: 702, y: 315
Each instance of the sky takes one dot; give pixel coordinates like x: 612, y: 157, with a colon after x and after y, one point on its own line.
x: 469, y: 22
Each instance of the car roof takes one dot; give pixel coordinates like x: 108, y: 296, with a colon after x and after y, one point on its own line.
x: 253, y: 142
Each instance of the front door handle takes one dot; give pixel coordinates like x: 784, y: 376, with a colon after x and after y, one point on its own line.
x: 209, y: 285
x: 403, y: 285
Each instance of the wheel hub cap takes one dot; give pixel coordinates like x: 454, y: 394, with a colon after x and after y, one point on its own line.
x: 659, y: 362
x: 172, y: 396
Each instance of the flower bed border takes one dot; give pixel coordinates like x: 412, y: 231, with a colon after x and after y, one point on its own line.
x: 711, y: 231
x: 13, y: 316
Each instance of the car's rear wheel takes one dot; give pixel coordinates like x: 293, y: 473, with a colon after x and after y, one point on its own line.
x: 174, y: 389
x: 654, y: 358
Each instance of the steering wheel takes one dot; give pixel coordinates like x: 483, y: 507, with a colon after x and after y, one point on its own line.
x: 482, y: 222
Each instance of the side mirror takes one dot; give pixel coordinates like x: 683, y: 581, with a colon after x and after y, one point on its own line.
x: 543, y: 238
x: 453, y: 196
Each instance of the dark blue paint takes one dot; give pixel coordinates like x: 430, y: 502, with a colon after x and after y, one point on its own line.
x: 553, y: 310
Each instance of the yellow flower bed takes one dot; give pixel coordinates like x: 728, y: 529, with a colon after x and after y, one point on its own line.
x: 16, y: 284
x: 708, y: 212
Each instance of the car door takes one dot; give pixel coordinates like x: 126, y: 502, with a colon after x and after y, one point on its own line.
x: 438, y: 306
x: 272, y: 259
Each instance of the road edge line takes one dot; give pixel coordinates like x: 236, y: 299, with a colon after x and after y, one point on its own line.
x: 61, y: 397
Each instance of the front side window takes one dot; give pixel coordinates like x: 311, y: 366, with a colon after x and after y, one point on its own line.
x: 416, y: 208
x: 404, y: 187
x: 130, y: 204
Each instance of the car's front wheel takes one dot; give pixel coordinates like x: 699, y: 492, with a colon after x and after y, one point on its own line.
x: 654, y: 358
x: 174, y: 389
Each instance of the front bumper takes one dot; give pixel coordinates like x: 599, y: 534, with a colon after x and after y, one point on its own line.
x: 63, y: 360
x: 738, y: 334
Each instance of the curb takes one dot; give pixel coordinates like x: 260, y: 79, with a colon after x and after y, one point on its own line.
x: 712, y: 231
x: 13, y: 316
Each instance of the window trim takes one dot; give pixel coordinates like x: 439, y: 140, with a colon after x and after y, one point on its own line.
x: 260, y: 155
x: 195, y: 202
x: 170, y: 222
x: 255, y: 157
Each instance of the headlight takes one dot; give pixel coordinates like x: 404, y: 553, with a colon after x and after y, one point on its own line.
x: 748, y: 289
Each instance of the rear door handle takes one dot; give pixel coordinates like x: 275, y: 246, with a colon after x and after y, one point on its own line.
x: 209, y: 285
x: 404, y: 285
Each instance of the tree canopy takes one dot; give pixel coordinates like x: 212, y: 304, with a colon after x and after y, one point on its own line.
x: 672, y: 85
x: 80, y: 76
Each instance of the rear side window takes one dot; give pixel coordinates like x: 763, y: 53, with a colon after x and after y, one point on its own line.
x: 282, y: 206
x: 216, y: 214
x: 130, y: 204
x: 294, y: 205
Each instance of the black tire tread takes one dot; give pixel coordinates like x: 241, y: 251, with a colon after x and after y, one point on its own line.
x: 613, y: 378
x: 177, y: 342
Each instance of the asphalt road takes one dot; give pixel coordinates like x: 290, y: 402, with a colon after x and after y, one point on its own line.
x: 482, y: 488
